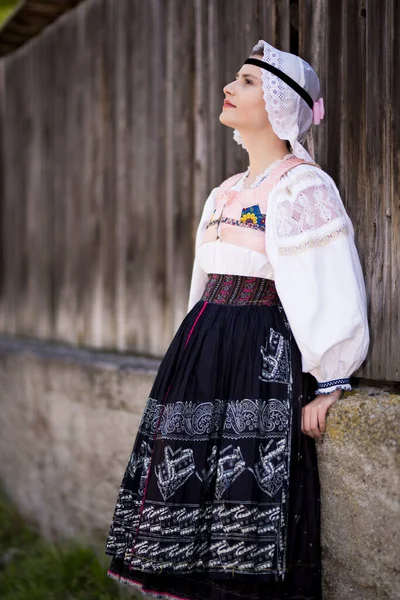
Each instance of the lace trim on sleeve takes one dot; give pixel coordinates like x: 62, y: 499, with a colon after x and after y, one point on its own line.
x: 309, y: 212
x: 328, y: 387
x: 344, y: 230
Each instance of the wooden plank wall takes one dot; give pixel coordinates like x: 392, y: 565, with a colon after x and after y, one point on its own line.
x: 110, y: 143
x: 355, y: 47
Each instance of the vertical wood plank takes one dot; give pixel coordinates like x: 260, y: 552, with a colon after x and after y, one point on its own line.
x: 121, y: 172
x: 393, y: 322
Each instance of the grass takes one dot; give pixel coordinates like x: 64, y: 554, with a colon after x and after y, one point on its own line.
x: 34, y: 569
x: 6, y: 7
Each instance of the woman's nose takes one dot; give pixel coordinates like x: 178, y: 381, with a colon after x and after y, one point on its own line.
x: 228, y: 89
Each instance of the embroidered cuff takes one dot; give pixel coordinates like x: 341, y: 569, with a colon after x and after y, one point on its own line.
x: 327, y: 387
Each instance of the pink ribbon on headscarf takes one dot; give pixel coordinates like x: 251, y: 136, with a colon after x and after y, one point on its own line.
x: 318, y: 111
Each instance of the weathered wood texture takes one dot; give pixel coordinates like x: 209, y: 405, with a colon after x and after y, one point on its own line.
x: 355, y: 47
x: 110, y: 143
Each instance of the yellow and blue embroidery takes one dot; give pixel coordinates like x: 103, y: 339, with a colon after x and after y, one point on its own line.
x: 253, y: 216
x: 250, y: 217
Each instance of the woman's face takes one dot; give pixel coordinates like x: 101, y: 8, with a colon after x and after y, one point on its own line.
x: 246, y: 97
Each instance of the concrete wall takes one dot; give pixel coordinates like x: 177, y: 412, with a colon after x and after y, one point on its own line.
x: 68, y: 420
x: 359, y: 464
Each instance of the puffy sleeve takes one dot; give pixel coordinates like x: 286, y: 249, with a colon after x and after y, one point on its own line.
x: 200, y: 277
x: 318, y: 275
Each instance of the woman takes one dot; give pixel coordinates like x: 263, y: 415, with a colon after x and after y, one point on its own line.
x: 220, y: 498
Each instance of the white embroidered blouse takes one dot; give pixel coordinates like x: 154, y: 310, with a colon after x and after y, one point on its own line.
x: 305, y: 243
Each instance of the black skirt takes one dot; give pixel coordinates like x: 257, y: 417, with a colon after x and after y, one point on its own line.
x: 220, y: 499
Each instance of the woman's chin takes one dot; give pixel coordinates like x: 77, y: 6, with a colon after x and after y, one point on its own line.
x: 225, y: 120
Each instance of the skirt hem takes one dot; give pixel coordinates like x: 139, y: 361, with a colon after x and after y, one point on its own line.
x: 170, y: 595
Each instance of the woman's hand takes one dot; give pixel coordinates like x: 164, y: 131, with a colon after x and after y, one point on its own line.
x: 313, y: 415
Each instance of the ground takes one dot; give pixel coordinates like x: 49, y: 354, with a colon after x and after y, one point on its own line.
x: 34, y: 569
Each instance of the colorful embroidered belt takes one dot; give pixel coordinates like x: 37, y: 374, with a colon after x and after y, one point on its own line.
x: 240, y: 290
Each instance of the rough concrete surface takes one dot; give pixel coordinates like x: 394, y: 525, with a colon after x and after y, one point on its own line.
x: 359, y: 463
x: 67, y: 429
x: 69, y: 419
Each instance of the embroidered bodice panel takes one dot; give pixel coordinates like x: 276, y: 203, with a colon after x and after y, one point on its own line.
x: 238, y: 218
x: 239, y: 214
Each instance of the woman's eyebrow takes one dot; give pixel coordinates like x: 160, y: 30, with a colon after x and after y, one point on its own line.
x: 246, y: 75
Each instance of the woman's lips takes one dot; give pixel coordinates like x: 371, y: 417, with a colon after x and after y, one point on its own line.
x: 229, y: 105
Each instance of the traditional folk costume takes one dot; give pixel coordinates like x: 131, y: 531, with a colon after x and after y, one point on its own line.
x: 220, y: 499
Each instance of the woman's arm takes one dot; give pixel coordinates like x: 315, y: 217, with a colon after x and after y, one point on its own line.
x: 199, y: 277
x: 318, y: 276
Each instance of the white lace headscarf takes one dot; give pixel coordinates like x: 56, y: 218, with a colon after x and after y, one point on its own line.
x: 289, y: 114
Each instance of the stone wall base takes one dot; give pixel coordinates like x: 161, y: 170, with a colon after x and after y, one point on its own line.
x: 68, y: 422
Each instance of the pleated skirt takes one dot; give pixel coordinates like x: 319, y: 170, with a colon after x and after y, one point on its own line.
x: 220, y: 498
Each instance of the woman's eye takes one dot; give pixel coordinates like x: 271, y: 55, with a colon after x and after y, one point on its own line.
x: 248, y: 81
